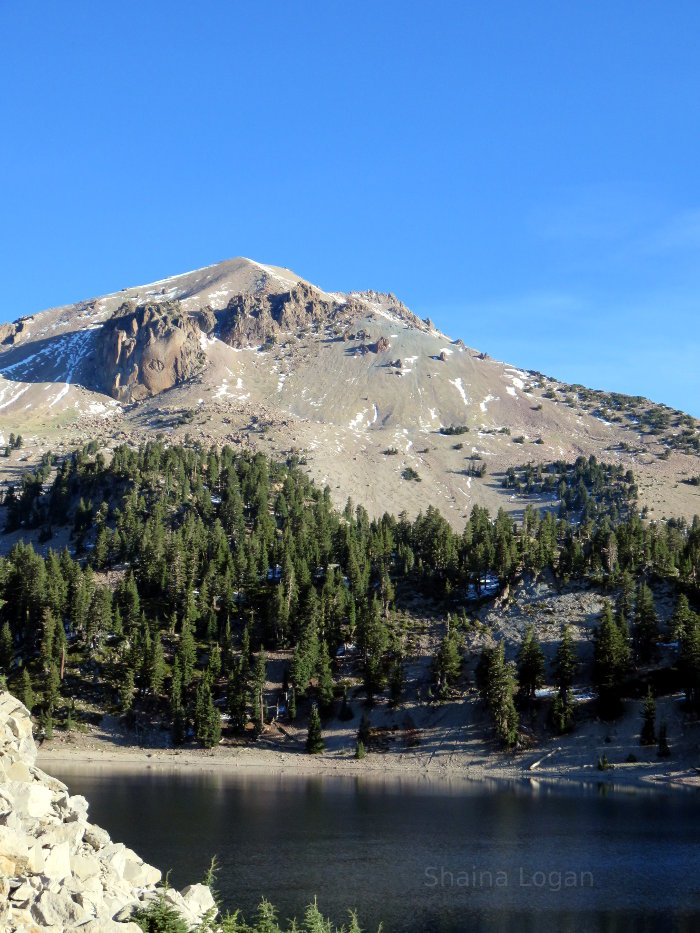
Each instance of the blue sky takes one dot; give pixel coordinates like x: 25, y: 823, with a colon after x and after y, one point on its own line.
x: 525, y: 174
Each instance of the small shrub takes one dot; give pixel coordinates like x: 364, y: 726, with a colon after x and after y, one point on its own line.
x: 604, y: 764
x: 455, y: 429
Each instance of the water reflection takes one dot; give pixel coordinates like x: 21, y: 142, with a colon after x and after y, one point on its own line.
x: 429, y: 857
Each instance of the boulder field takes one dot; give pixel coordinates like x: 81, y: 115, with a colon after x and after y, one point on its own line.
x: 58, y: 871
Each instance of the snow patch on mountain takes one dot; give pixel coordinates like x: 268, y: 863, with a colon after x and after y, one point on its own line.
x: 457, y: 383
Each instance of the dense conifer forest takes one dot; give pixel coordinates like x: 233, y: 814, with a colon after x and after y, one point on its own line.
x: 187, y: 565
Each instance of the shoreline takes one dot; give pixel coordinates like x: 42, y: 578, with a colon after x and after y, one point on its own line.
x: 415, y: 769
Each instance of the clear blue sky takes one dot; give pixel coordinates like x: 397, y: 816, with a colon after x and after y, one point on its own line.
x: 528, y: 174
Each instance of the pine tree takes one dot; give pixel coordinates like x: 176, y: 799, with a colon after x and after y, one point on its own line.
x: 646, y: 629
x: 207, y: 721
x: 52, y: 684
x: 648, y: 736
x: 6, y: 648
x: 325, y: 678
x: 611, y: 661
x: 214, y: 664
x: 531, y: 664
x: 126, y: 690
x: 237, y: 693
x: 175, y: 697
x: 625, y: 599
x: 130, y: 602
x: 177, y: 711
x: 187, y: 653
x: 448, y: 661
x: 156, y: 667
x: 565, y: 665
x: 497, y: 685
x: 681, y: 618
x: 26, y: 694
x: 314, y: 739
x: 689, y: 660
x: 305, y: 657
x: 48, y: 625
x: 372, y: 641
x: 257, y: 685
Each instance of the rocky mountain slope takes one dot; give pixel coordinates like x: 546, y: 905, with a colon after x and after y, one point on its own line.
x: 57, y: 870
x: 378, y: 403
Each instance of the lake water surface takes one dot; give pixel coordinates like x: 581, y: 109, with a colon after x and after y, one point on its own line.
x: 423, y: 858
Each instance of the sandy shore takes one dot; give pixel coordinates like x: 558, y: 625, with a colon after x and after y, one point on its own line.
x: 445, y: 755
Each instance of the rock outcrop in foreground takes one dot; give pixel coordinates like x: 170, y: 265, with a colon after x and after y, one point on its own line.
x: 57, y: 870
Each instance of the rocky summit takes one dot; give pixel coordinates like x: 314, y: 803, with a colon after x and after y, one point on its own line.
x: 58, y: 871
x: 373, y: 399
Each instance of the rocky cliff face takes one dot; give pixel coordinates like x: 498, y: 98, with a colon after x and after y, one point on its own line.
x: 145, y: 350
x: 58, y: 871
x: 250, y: 319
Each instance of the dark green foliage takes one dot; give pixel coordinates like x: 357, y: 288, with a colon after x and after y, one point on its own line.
x: 238, y: 693
x: 372, y: 640
x: 646, y: 627
x: 664, y: 749
x: 455, y: 429
x: 274, y: 563
x: 531, y: 664
x: 6, y: 648
x: 257, y: 686
x: 346, y: 712
x: 160, y: 917
x: 586, y: 489
x: 364, y: 732
x: 648, y: 735
x: 682, y: 618
x: 156, y: 665
x: 314, y: 739
x: 496, y: 683
x: 207, y: 721
x: 187, y: 653
x: 565, y: 664
x: 565, y: 668
x: 324, y: 678
x: 52, y: 684
x: 26, y: 693
x: 604, y: 764
x: 448, y: 661
x: 126, y: 689
x: 689, y: 658
x: 611, y: 662
x: 562, y: 713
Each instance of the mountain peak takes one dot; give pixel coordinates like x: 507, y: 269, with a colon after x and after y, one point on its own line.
x: 371, y: 396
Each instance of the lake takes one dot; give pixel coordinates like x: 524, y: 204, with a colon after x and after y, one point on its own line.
x: 421, y: 857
